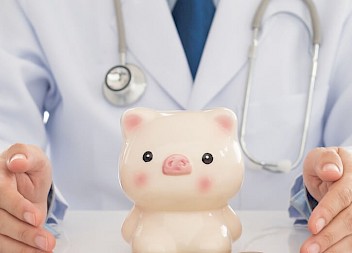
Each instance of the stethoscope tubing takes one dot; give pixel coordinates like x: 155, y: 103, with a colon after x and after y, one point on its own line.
x: 121, y: 31
x: 256, y: 27
x: 125, y: 83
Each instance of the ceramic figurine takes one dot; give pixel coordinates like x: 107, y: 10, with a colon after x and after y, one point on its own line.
x: 180, y: 168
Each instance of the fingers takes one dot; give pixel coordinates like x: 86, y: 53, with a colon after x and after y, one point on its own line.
x: 336, y: 199
x: 17, y: 234
x: 331, y: 220
x: 342, y: 246
x: 335, y: 236
x: 25, y: 179
x: 9, y: 245
x: 18, y: 206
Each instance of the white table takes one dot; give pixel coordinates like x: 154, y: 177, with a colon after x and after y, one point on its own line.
x: 99, y: 231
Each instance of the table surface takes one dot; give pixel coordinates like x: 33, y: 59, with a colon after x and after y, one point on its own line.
x: 99, y: 231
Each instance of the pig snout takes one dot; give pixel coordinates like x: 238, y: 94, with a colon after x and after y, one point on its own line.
x: 176, y: 165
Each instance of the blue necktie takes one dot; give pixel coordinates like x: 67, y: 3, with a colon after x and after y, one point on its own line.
x: 193, y: 19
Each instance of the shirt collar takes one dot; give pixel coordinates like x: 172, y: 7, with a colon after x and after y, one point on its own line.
x: 172, y: 3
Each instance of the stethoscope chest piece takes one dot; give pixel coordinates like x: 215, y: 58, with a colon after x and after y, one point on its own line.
x: 124, y: 84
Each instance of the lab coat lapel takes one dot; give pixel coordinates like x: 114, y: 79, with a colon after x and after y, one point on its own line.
x: 225, y: 51
x: 153, y: 39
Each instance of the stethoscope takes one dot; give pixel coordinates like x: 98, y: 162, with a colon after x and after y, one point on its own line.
x: 283, y: 165
x: 124, y: 84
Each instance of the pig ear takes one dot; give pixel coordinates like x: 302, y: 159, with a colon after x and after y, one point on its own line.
x: 134, y: 118
x: 226, y: 120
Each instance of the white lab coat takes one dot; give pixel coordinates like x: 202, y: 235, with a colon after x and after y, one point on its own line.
x: 54, y: 56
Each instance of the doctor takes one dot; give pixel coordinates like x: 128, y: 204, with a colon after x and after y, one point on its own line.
x: 54, y: 56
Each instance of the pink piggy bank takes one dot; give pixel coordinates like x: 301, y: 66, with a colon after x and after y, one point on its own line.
x: 180, y: 168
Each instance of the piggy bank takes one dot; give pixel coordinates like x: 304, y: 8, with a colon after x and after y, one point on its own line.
x: 180, y: 168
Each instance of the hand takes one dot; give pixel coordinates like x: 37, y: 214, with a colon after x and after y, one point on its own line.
x: 327, y: 174
x: 25, y: 179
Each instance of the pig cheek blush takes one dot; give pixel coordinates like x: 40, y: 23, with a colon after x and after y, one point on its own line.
x: 140, y: 179
x: 204, y: 184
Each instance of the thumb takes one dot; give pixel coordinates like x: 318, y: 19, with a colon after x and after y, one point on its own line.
x: 321, y: 168
x: 29, y: 159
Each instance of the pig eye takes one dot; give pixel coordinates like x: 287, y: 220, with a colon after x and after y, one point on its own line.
x: 147, y: 156
x: 207, y: 158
